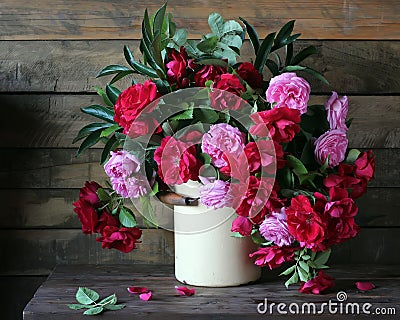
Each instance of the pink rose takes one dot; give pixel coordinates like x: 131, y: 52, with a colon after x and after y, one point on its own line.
x: 122, y: 164
x: 242, y: 225
x: 176, y: 68
x: 332, y: 144
x: 177, y: 161
x: 274, y: 228
x: 132, y: 101
x: 365, y: 166
x: 122, y: 239
x: 318, y: 284
x: 215, y: 194
x: 131, y: 187
x: 337, y: 109
x: 273, y: 256
x: 289, y: 90
x: 222, y: 139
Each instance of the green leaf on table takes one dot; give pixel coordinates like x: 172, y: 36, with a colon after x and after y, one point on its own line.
x: 110, y: 300
x: 114, y: 307
x: 100, y: 112
x: 303, y: 275
x: 263, y: 52
x: 75, y: 306
x: 106, y: 132
x: 127, y: 218
x: 353, y: 155
x: 253, y: 35
x: 288, y: 271
x: 304, y: 266
x: 112, y: 69
x: 292, y: 280
x: 86, y: 296
x: 93, y: 311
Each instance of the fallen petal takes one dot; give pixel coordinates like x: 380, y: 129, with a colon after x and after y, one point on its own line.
x: 146, y: 296
x: 364, y: 286
x: 137, y: 290
x: 185, y: 291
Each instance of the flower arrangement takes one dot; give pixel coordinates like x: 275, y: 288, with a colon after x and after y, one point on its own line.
x: 281, y: 163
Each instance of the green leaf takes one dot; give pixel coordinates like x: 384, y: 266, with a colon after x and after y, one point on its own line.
x: 353, y: 155
x: 112, y: 69
x: 127, y: 218
x: 232, y: 26
x: 191, y: 48
x: 159, y: 19
x: 103, y: 195
x: 214, y: 62
x: 137, y: 66
x: 74, y: 306
x: 86, y: 296
x: 208, y: 45
x: 93, y: 311
x: 86, y: 130
x: 304, y: 266
x: 111, y: 145
x: 114, y: 307
x: 263, y: 52
x: 292, y: 280
x: 110, y: 300
x: 185, y: 115
x: 232, y: 41
x: 316, y: 75
x: 120, y: 75
x: 90, y: 141
x: 100, y: 112
x: 293, y: 68
x: 206, y: 115
x: 251, y: 31
x: 112, y: 93
x: 322, y: 257
x: 288, y: 271
x: 289, y: 54
x: 283, y: 34
x: 305, y: 257
x: 103, y: 94
x: 216, y: 23
x: 206, y: 159
x: 273, y: 67
x: 303, y: 54
x: 110, y: 130
x: 298, y: 167
x: 302, y: 274
x: 179, y: 39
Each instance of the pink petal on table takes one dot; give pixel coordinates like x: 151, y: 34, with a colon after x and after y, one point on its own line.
x: 185, y: 291
x: 364, y: 286
x: 137, y: 290
x: 146, y: 296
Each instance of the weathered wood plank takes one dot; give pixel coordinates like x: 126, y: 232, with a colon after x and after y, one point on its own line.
x: 16, y: 293
x: 40, y: 250
x: 71, y: 66
x: 53, y: 120
x: 49, y: 20
x: 59, y: 168
x: 52, y: 208
x: 208, y: 303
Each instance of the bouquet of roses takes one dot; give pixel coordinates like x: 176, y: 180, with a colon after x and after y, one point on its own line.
x: 252, y: 140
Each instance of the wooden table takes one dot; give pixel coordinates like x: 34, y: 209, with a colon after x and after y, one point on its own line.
x: 209, y: 303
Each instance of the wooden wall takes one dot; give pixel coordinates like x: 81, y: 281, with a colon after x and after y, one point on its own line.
x: 50, y: 52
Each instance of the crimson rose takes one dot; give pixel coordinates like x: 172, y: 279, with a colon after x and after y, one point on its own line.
x: 122, y: 239
x: 249, y: 73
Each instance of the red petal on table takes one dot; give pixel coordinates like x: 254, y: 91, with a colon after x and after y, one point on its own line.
x: 185, y: 291
x: 137, y: 290
x: 146, y: 296
x: 364, y: 286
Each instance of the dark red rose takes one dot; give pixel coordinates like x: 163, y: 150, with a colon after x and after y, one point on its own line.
x: 226, y: 97
x: 105, y: 220
x: 143, y: 126
x: 133, y: 101
x: 87, y: 215
x: 89, y: 193
x: 242, y: 225
x: 273, y: 256
x: 248, y: 73
x: 281, y: 124
x: 304, y: 223
x: 365, y: 166
x: 176, y: 68
x: 318, y: 284
x: 207, y: 72
x: 177, y: 162
x: 122, y: 239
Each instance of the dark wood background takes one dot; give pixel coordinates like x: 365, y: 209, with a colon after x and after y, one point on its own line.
x: 50, y: 52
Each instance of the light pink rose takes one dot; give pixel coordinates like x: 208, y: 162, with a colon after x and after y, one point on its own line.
x: 337, y: 109
x: 131, y: 187
x: 222, y: 139
x: 121, y: 164
x: 289, y: 90
x: 274, y: 228
x: 332, y: 144
x: 215, y: 194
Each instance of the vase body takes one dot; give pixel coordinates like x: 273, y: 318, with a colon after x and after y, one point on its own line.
x: 206, y: 254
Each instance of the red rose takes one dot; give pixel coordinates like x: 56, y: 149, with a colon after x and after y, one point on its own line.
x: 87, y: 215
x: 177, y: 162
x: 105, y: 220
x: 224, y: 98
x: 304, y: 223
x: 248, y: 73
x: 365, y: 166
x: 143, y: 126
x: 89, y: 193
x: 318, y: 284
x: 281, y: 124
x: 273, y: 256
x: 207, y: 72
x: 242, y: 225
x: 176, y: 68
x: 133, y: 101
x: 122, y: 239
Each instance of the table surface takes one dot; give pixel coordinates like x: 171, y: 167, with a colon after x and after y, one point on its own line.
x: 240, y: 302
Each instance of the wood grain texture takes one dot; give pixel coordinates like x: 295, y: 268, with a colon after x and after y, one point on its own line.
x: 52, y: 208
x: 95, y: 19
x: 49, y: 120
x: 208, y: 303
x: 361, y: 67
x: 59, y: 168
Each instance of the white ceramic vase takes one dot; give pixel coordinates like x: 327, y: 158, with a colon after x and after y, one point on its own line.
x: 206, y: 254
